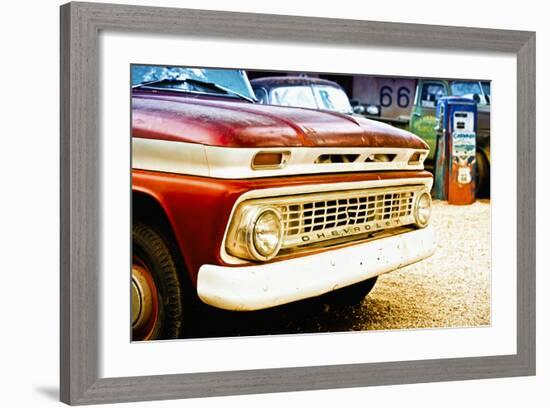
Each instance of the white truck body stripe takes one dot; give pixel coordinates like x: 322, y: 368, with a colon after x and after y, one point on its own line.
x: 235, y: 163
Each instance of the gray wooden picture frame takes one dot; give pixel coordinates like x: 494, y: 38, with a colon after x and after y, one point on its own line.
x: 81, y: 24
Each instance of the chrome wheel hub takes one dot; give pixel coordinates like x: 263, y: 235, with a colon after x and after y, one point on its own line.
x: 144, y: 302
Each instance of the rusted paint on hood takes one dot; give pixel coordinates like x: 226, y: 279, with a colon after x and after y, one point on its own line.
x: 228, y: 123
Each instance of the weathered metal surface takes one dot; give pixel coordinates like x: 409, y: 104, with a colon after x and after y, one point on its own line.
x: 227, y: 123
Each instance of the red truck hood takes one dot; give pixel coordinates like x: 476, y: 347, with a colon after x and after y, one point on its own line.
x: 227, y: 123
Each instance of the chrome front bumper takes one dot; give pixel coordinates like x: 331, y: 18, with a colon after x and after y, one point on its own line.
x: 262, y: 286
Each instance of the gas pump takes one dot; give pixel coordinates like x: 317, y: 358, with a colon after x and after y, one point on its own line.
x: 455, y: 150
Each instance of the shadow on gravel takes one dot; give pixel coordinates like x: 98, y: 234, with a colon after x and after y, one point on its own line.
x: 307, y: 316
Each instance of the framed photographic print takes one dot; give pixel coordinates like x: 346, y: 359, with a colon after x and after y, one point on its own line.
x: 259, y: 203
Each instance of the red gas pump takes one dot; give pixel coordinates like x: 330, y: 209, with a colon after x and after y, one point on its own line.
x: 456, y: 150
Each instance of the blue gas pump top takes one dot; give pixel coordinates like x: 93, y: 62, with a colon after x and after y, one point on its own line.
x: 446, y: 106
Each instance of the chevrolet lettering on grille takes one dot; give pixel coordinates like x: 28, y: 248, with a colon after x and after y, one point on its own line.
x: 368, y: 228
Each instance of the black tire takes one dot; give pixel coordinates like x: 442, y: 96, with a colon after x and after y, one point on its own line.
x: 351, y: 295
x: 482, y: 176
x: 153, y: 251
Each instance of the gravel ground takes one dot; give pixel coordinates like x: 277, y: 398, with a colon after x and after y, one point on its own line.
x: 450, y: 289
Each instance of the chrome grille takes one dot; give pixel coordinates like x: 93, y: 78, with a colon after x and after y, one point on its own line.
x: 322, y: 219
x: 312, y: 218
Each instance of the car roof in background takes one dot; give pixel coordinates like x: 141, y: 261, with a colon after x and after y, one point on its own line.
x: 291, y: 81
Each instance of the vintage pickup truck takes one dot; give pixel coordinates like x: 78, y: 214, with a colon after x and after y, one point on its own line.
x: 245, y: 206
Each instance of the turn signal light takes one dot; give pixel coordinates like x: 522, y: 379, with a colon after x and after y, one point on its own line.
x: 270, y: 160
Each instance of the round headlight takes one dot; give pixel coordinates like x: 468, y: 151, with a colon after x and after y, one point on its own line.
x: 423, y: 209
x: 267, y: 234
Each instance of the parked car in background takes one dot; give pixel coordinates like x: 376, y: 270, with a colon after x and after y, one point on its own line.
x: 302, y: 92
x: 244, y: 206
x: 423, y: 119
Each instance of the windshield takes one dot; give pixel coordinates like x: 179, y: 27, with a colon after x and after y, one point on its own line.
x: 431, y: 92
x: 468, y: 89
x: 314, y: 97
x: 231, y: 79
x: 299, y: 96
x: 331, y: 98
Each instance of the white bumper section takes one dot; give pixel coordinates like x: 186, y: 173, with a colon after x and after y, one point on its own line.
x: 261, y: 286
